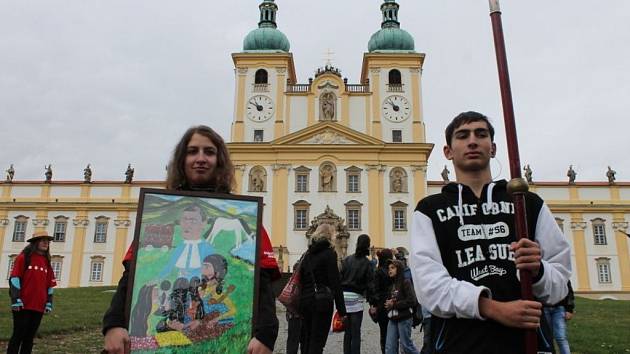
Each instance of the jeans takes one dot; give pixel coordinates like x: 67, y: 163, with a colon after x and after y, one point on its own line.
x: 25, y: 325
x: 400, y: 330
x: 555, y: 317
x: 352, y: 336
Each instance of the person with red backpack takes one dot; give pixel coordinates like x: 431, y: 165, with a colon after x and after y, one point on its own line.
x: 31, y: 289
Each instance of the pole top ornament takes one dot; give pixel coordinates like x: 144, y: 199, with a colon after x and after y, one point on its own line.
x: 494, y: 6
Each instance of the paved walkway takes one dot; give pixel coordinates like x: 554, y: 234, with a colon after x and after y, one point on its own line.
x: 370, y: 343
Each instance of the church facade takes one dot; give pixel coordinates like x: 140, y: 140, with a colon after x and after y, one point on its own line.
x: 323, y: 150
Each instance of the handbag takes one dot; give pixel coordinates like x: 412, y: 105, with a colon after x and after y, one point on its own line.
x: 338, y: 324
x: 290, y: 294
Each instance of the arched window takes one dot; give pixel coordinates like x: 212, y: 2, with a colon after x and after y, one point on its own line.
x: 394, y: 77
x: 261, y: 77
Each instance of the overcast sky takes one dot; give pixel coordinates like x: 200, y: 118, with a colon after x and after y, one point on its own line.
x: 116, y: 82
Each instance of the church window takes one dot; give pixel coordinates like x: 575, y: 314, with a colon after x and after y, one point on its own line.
x: 397, y: 136
x: 353, y: 183
x: 301, y: 209
x: 96, y: 268
x: 100, y: 229
x: 301, y: 183
x: 258, y: 135
x: 603, y: 270
x: 56, y: 262
x: 395, y: 77
x: 395, y: 81
x: 302, y: 179
x: 599, y: 231
x: 261, y: 77
x: 353, y: 178
x: 353, y: 215
x: 399, y: 216
x: 59, y: 231
x: 19, y: 230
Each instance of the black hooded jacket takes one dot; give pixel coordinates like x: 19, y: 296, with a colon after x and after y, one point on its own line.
x: 320, y: 266
x: 461, y: 249
x: 357, y: 272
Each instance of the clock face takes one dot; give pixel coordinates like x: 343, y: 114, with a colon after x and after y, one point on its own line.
x: 396, y: 108
x: 259, y: 108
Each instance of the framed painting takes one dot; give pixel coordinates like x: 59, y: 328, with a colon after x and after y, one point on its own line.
x: 193, y: 282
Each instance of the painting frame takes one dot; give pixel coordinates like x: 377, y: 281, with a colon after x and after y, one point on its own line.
x: 164, y: 241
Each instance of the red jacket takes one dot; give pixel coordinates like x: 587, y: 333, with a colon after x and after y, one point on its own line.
x: 35, y: 281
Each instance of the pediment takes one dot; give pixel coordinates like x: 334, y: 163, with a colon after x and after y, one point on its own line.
x: 327, y: 133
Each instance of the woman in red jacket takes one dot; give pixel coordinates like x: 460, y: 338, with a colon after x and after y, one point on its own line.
x: 30, y: 287
x: 201, y: 162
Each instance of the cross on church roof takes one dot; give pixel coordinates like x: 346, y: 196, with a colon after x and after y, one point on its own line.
x: 328, y: 56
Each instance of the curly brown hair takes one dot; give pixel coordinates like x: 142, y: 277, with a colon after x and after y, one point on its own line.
x: 223, y: 179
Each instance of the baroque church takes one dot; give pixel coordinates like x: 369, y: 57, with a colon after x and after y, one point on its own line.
x: 328, y: 149
x: 321, y: 150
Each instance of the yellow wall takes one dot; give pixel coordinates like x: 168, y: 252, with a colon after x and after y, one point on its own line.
x: 279, y: 201
x: 78, y: 245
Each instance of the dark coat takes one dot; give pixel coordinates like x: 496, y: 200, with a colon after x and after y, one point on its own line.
x: 320, y: 263
x: 357, y: 275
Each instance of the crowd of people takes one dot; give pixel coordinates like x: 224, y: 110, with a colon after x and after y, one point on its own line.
x: 460, y: 278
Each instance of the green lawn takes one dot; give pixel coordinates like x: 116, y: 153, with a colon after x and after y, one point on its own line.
x: 599, y: 327
x: 74, y: 310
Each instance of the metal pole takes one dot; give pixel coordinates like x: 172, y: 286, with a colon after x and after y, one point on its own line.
x: 517, y: 185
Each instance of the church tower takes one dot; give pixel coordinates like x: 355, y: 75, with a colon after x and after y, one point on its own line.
x: 326, y: 150
x: 394, y: 70
x: 262, y: 69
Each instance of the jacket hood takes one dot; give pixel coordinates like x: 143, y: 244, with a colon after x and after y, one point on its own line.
x: 363, y: 246
x: 459, y: 190
x: 319, y: 245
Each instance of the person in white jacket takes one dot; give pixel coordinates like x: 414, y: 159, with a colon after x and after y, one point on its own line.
x: 465, y: 255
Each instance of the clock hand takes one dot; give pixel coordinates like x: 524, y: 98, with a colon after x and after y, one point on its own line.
x: 255, y: 104
x: 395, y: 107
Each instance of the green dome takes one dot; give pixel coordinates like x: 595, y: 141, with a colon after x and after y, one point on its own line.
x: 391, y: 39
x: 266, y: 39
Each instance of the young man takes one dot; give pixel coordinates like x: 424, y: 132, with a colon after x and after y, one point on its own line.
x: 465, y: 255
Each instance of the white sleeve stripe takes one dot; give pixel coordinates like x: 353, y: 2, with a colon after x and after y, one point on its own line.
x: 441, y: 294
x: 556, y: 259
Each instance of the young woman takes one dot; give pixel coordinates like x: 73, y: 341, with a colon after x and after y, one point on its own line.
x: 320, y: 287
x: 30, y: 287
x: 357, y: 274
x: 399, y: 306
x: 382, y: 285
x: 201, y: 162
